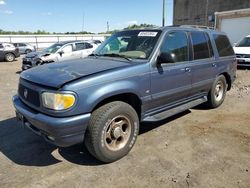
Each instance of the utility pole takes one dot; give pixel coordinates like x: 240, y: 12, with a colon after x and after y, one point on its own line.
x: 163, y: 13
x: 206, y: 13
x: 107, y: 26
x: 83, y: 17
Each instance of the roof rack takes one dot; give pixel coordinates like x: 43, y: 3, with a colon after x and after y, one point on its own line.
x: 197, y: 26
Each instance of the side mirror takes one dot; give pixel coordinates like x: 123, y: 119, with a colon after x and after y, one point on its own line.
x: 166, y: 57
x: 61, y: 53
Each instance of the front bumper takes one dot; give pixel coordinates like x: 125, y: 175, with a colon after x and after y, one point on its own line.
x: 62, y: 132
x: 243, y: 61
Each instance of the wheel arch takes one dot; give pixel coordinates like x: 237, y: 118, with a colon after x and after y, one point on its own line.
x: 129, y: 98
x: 228, y: 80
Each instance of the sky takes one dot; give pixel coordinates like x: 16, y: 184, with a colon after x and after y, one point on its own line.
x: 68, y: 15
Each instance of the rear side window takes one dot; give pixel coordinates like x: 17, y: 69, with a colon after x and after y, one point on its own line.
x: 22, y: 44
x: 201, y: 48
x: 1, y: 46
x: 223, y: 45
x: 88, y: 46
x: 80, y: 46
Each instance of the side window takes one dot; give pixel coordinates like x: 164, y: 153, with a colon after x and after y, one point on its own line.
x: 200, y: 45
x: 1, y: 46
x: 22, y: 44
x: 223, y: 45
x: 88, y: 46
x: 80, y: 46
x: 176, y: 44
x: 67, y: 49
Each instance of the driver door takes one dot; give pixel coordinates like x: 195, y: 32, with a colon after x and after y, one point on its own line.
x: 171, y: 82
x: 67, y: 53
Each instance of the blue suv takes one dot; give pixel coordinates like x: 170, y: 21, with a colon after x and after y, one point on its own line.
x: 134, y: 76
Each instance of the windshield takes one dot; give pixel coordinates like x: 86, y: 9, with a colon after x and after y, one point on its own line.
x: 245, y: 42
x: 53, y: 49
x: 137, y: 44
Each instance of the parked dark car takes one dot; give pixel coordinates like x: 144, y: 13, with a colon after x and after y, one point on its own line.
x: 25, y: 48
x: 8, y: 52
x: 134, y: 76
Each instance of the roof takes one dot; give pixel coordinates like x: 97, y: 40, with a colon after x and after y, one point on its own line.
x: 184, y: 28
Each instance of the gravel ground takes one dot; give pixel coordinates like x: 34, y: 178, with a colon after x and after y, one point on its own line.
x: 197, y: 148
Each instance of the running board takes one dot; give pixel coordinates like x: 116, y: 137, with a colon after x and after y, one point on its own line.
x: 175, y: 110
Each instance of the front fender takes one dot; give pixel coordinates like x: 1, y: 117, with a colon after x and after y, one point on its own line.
x: 110, y: 90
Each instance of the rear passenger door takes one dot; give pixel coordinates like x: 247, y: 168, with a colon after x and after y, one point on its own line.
x: 171, y: 82
x: 203, y: 65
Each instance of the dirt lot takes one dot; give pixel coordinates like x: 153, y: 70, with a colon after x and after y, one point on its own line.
x: 198, y: 148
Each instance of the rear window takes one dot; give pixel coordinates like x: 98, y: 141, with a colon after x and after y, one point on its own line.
x: 223, y: 45
x: 200, y: 45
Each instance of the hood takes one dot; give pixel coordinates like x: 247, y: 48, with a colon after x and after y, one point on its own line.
x: 242, y: 50
x: 37, y: 54
x: 57, y: 74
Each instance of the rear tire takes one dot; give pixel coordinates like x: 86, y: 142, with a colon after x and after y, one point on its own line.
x: 112, y: 131
x: 9, y: 57
x: 217, y: 93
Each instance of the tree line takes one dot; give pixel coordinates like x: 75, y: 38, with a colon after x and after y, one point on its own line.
x: 43, y: 32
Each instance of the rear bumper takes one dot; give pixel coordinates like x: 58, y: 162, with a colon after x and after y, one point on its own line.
x: 62, y: 132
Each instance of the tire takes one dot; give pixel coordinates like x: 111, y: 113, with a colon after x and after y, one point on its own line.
x: 217, y: 93
x: 112, y: 131
x: 9, y: 57
x: 28, y: 51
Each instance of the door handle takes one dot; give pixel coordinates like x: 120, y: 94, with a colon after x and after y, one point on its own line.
x: 214, y: 65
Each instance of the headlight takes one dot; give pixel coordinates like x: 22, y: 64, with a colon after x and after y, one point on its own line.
x: 58, y: 101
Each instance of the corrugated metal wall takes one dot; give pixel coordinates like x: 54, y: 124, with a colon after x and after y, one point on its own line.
x: 196, y: 12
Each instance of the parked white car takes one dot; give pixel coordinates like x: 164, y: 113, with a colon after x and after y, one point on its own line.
x: 61, y: 51
x: 24, y: 48
x: 242, y: 51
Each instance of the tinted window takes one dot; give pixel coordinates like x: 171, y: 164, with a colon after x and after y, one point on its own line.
x: 200, y: 45
x: 223, y: 45
x: 80, y: 46
x: 211, y: 51
x: 22, y: 45
x: 88, y: 45
x: 1, y: 46
x: 176, y: 44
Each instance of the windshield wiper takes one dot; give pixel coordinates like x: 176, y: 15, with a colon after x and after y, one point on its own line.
x: 117, y: 55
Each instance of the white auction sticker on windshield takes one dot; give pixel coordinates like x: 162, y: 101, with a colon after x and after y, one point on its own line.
x: 147, y: 34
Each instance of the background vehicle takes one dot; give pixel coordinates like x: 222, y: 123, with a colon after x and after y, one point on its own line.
x: 134, y: 76
x: 62, y: 51
x: 242, y: 51
x: 24, y: 48
x: 8, y: 52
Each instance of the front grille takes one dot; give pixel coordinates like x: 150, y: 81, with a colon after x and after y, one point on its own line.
x: 243, y: 55
x: 29, y: 95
